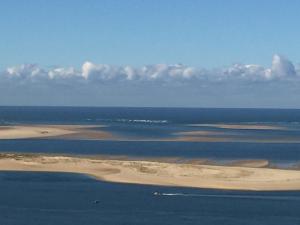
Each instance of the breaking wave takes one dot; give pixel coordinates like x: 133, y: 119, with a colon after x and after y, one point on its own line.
x: 121, y: 120
x: 141, y: 121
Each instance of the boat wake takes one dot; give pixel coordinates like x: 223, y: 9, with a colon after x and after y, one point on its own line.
x: 258, y: 197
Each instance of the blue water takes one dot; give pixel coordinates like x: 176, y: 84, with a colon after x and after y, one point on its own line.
x: 52, y: 198
x: 159, y: 123
x: 139, y: 115
x: 276, y: 152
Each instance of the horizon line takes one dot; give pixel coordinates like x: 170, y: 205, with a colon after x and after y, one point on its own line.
x: 149, y: 107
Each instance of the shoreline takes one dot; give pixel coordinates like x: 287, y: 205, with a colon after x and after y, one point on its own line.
x: 132, y: 171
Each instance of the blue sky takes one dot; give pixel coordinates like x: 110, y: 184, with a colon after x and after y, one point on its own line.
x: 137, y: 32
x: 38, y: 36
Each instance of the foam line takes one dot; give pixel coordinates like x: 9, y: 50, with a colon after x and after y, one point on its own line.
x: 259, y: 197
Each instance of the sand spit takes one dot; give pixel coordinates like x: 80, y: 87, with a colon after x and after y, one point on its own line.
x: 17, y: 132
x: 158, y: 173
x: 41, y: 131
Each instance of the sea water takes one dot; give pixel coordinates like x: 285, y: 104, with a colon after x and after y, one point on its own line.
x: 69, y: 199
x: 59, y: 198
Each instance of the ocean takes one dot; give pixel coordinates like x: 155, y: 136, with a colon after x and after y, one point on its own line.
x: 61, y: 198
x: 69, y: 199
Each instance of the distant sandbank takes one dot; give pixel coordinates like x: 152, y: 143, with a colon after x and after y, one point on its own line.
x: 241, y: 126
x: 46, y: 131
x: 157, y: 172
x: 98, y: 132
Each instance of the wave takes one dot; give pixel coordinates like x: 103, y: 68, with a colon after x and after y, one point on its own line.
x: 4, y: 122
x: 121, y: 120
x: 142, y: 121
x: 258, y: 197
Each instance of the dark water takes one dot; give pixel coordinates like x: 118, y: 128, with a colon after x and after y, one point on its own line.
x: 51, y: 198
x: 226, y: 151
x: 145, y: 115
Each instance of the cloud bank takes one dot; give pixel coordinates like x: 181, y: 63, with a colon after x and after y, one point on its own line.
x: 238, y: 85
x: 280, y: 69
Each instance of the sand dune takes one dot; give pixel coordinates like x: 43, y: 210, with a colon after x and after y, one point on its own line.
x: 158, y: 173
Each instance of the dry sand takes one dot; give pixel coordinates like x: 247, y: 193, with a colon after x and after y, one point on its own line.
x: 17, y: 132
x: 64, y: 131
x: 158, y: 173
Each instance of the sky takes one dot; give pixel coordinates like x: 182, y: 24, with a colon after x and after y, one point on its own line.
x: 182, y: 53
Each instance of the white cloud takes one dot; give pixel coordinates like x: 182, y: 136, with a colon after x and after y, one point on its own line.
x: 248, y: 72
x: 64, y: 73
x: 25, y: 71
x: 281, y: 69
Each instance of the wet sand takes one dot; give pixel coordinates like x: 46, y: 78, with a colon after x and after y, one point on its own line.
x: 232, y: 135
x: 241, y: 126
x: 199, y: 133
x: 158, y: 173
x: 250, y: 163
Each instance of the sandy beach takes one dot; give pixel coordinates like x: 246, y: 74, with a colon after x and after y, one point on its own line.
x: 158, y: 173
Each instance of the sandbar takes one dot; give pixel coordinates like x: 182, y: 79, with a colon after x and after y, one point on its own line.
x: 158, y: 173
x: 97, y: 132
x: 241, y: 126
x: 43, y: 131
